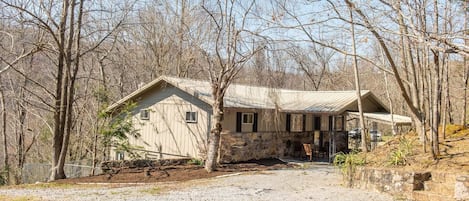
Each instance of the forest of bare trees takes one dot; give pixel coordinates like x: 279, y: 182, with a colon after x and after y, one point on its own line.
x: 63, y: 61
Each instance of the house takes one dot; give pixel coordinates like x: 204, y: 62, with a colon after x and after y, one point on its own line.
x: 173, y: 116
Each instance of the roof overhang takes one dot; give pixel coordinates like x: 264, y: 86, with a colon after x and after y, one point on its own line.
x: 385, y: 118
x: 147, y: 87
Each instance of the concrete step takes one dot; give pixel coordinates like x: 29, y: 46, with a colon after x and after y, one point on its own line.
x: 440, y: 188
x: 430, y: 196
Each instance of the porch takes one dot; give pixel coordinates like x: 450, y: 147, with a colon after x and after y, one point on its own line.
x: 235, y: 147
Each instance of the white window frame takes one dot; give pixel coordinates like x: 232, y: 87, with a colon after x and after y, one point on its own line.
x: 244, y: 117
x: 145, y: 114
x: 190, y: 120
x: 120, y: 155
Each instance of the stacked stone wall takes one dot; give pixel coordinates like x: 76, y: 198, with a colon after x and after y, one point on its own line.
x: 417, y: 186
x: 236, y: 147
x: 396, y: 182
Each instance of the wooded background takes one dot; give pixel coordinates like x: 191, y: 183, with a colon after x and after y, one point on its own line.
x: 62, y: 62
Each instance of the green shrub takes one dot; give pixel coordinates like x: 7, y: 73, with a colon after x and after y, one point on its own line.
x: 347, y: 164
x: 399, y: 156
x: 196, y: 161
x: 3, y: 178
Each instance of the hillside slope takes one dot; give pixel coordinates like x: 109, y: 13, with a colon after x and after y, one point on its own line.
x: 407, y: 152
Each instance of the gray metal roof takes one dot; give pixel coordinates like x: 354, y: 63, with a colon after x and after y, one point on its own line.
x: 385, y: 118
x: 243, y: 96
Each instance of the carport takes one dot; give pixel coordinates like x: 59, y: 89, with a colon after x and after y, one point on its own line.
x: 397, y: 121
x: 398, y: 124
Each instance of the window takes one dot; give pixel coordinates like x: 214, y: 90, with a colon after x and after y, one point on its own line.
x: 339, y: 123
x: 296, y: 122
x: 317, y: 123
x: 191, y: 117
x: 144, y: 114
x: 119, y: 155
x: 248, y: 118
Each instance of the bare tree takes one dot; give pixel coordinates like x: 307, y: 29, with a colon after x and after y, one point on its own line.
x: 6, y: 163
x: 62, y: 36
x: 465, y: 67
x: 226, y: 56
x: 315, y: 65
x: 363, y: 130
x: 417, y: 70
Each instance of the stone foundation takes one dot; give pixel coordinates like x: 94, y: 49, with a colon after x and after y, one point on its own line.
x: 235, y: 147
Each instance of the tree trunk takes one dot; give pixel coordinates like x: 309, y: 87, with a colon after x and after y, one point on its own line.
x: 391, y: 108
x: 445, y: 110
x: 408, y: 62
x: 436, y: 101
x: 214, y: 141
x: 363, y: 130
x: 180, y: 72
x: 59, y: 109
x: 466, y: 70
x: 436, y: 107
x: 416, y: 112
x: 6, y: 163
x: 70, y: 78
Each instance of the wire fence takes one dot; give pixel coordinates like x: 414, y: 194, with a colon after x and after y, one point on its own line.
x: 40, y: 172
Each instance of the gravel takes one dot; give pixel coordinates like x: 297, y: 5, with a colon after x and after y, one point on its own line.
x: 317, y: 182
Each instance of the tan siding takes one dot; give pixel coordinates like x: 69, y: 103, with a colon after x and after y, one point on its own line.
x: 369, y: 105
x: 167, y: 130
x: 229, y: 121
x: 268, y: 120
x: 324, y: 122
x: 309, y: 122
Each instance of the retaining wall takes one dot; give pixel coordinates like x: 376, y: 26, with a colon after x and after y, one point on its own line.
x: 390, y: 181
x: 413, y: 185
x: 461, y: 188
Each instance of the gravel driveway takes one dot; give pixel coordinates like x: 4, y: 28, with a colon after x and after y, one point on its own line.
x: 316, y: 182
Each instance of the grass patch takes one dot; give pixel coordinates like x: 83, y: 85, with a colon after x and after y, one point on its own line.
x: 452, y: 129
x: 153, y: 190
x: 196, y: 161
x: 386, y: 138
x: 347, y: 164
x: 48, y: 185
x: 18, y: 198
x: 404, y: 150
x: 456, y: 131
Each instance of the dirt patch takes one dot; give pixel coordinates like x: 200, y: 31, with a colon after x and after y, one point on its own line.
x: 182, y: 172
x: 454, y: 153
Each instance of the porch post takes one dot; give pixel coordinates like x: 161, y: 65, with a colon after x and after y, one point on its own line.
x: 332, y: 140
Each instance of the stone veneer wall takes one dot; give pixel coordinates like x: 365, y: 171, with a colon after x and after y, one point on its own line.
x: 405, y: 183
x: 396, y: 182
x: 461, y: 188
x: 235, y: 147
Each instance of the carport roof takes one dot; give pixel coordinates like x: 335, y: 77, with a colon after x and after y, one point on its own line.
x: 385, y: 118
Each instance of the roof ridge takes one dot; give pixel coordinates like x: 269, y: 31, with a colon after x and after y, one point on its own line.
x: 264, y: 87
